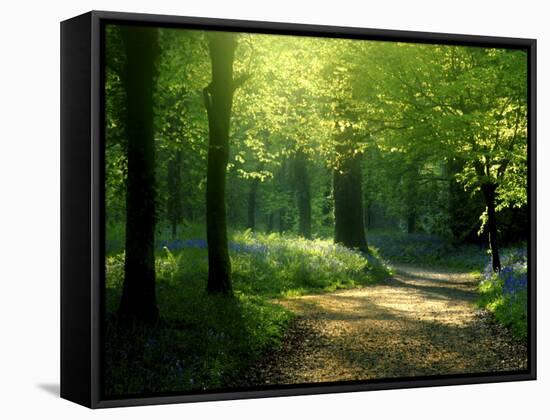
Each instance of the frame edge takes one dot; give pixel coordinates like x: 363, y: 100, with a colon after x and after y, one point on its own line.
x: 76, y: 244
x: 97, y: 17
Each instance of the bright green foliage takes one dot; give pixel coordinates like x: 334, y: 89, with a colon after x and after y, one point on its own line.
x: 284, y: 265
x: 425, y: 116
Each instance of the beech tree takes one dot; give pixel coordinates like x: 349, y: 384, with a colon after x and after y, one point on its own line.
x: 218, y: 99
x: 138, y: 301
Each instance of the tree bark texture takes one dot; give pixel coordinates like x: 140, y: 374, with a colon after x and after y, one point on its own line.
x: 218, y: 98
x: 138, y: 302
x: 349, y: 226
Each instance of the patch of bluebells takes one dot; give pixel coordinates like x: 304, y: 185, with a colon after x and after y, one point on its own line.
x: 179, y: 244
x: 405, y: 246
x: 513, y: 281
x: 504, y: 293
x: 254, y: 247
x: 513, y: 275
x: 419, y: 247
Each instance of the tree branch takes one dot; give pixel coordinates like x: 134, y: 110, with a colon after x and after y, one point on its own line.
x: 239, y: 81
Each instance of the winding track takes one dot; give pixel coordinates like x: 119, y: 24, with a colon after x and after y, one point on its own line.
x: 419, y: 322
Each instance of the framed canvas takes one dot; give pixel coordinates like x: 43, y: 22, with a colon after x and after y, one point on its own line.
x: 253, y: 209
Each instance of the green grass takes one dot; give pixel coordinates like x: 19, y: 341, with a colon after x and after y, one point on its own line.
x: 505, y: 294
x: 208, y: 342
x: 509, y: 311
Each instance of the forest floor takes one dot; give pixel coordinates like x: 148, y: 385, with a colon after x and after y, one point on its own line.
x: 419, y: 322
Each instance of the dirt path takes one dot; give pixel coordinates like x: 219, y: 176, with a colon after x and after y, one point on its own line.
x: 419, y: 322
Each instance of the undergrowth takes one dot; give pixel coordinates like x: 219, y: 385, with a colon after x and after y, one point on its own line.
x: 504, y: 294
x: 205, y: 342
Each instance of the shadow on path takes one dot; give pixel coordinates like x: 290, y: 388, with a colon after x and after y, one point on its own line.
x: 420, y: 322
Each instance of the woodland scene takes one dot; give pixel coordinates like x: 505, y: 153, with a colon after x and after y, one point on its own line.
x: 290, y: 209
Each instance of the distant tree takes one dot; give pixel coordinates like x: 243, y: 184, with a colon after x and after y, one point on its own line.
x: 349, y: 222
x: 253, y: 198
x: 181, y: 126
x: 348, y: 141
x: 303, y: 194
x: 455, y: 104
x: 484, y: 123
x: 175, y: 199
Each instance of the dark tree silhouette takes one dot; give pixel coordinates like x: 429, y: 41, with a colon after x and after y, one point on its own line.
x: 303, y: 194
x: 489, y: 190
x: 252, y: 199
x: 138, y: 302
x: 218, y: 99
x: 411, y: 202
x: 349, y: 224
x: 175, y: 199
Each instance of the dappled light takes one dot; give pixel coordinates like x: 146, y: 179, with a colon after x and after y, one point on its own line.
x: 395, y: 329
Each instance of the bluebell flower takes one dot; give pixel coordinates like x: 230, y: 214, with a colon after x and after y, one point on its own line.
x: 177, y: 244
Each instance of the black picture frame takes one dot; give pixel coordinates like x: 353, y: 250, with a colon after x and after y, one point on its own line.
x: 82, y: 203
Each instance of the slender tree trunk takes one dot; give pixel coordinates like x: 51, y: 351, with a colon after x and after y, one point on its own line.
x: 252, y: 194
x: 489, y: 195
x: 303, y: 194
x: 270, y: 219
x: 368, y: 219
x: 138, y: 302
x: 218, y: 98
x: 282, y: 221
x: 327, y: 203
x: 175, y: 208
x: 411, y: 221
x: 411, y: 197
x: 366, y: 210
x: 349, y: 226
x: 283, y: 180
x: 252, y: 199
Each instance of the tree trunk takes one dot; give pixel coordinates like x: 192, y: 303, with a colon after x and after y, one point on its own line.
x: 282, y: 220
x: 252, y: 194
x: 411, y: 221
x: 489, y: 195
x: 327, y: 205
x: 138, y: 302
x: 349, y: 226
x: 410, y: 191
x: 303, y: 194
x: 366, y: 210
x: 175, y: 208
x: 464, y: 208
x: 252, y: 198
x: 218, y: 98
x: 270, y: 220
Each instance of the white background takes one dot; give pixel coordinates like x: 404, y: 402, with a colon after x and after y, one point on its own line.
x: 29, y: 210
